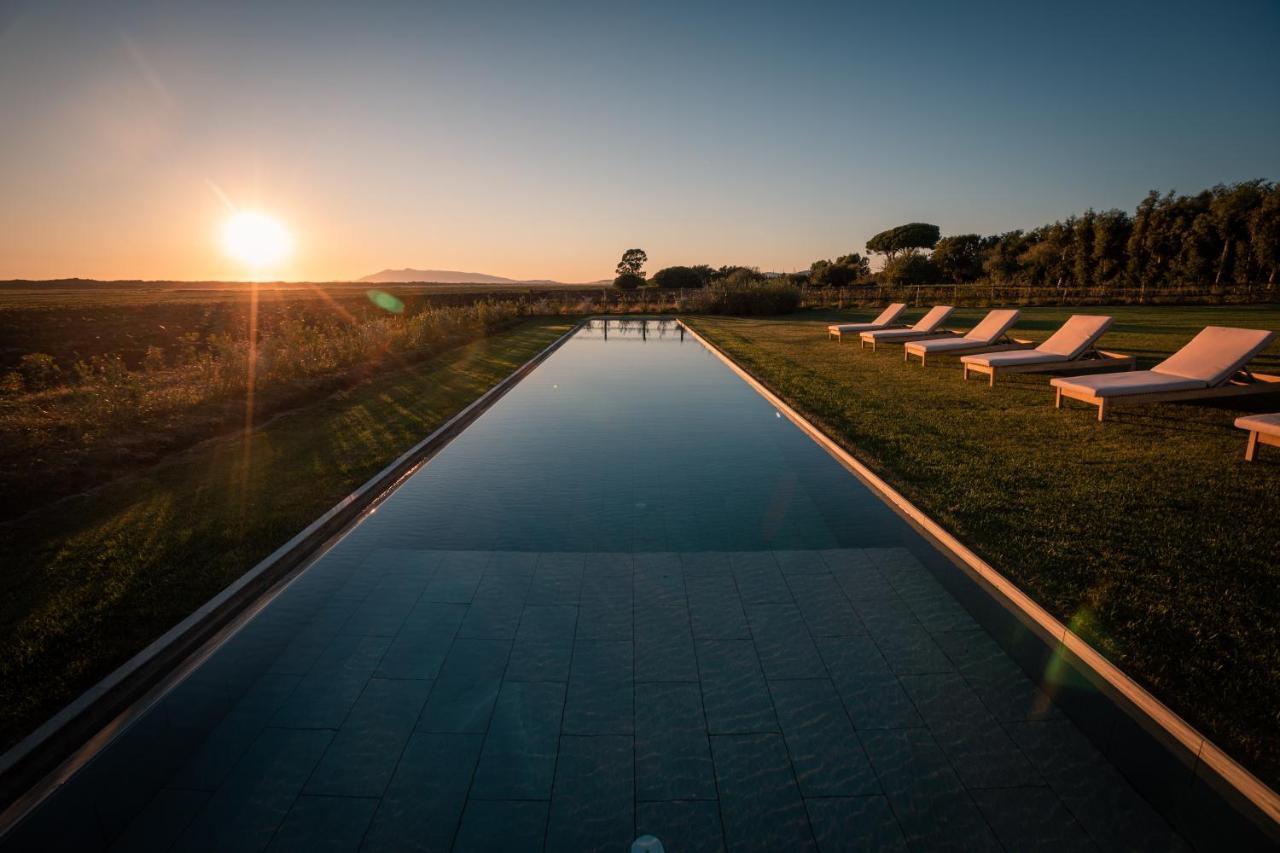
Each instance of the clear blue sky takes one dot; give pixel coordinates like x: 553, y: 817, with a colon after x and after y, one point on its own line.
x: 532, y: 141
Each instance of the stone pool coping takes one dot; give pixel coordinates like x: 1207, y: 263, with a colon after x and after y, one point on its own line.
x: 1191, y: 749
x: 35, y: 766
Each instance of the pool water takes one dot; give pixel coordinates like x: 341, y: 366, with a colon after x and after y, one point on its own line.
x: 629, y: 599
x: 632, y: 437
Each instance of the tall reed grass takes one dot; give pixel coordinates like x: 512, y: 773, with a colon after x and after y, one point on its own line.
x: 73, y: 426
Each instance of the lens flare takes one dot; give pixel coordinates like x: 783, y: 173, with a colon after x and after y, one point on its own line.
x: 256, y: 239
x: 385, y: 301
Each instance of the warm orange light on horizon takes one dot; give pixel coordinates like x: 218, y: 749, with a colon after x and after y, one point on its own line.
x: 256, y: 240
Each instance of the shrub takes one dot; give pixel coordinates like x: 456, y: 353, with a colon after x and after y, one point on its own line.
x: 737, y: 275
x: 746, y: 297
x: 677, y: 278
x: 39, y: 371
x: 153, y: 361
x: 628, y: 281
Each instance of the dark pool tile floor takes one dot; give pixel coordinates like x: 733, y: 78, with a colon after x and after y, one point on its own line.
x: 458, y: 700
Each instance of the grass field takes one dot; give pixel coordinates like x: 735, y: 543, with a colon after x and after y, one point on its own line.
x: 1148, y: 534
x: 89, y: 581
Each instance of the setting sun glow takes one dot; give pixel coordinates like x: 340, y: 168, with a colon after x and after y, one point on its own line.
x: 256, y: 239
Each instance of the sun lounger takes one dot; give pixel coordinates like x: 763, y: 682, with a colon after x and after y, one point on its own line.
x: 928, y: 326
x: 1263, y: 429
x: 1071, y: 347
x: 888, y: 319
x: 987, y: 336
x: 1211, y: 365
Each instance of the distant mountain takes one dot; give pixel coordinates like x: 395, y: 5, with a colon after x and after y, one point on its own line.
x: 438, y: 276
x: 446, y: 277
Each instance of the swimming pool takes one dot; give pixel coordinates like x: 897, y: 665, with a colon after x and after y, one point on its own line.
x: 631, y: 438
x: 630, y: 598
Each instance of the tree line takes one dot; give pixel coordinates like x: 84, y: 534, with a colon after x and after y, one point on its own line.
x: 631, y: 275
x: 1226, y: 235
x: 1229, y: 234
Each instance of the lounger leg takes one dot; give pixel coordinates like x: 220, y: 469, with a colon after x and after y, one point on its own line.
x: 1102, y: 408
x: 1057, y: 400
x: 1251, y: 449
x: 906, y: 356
x: 964, y: 372
x: 992, y: 382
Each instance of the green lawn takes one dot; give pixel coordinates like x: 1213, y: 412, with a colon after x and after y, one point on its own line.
x: 1148, y: 533
x: 89, y: 582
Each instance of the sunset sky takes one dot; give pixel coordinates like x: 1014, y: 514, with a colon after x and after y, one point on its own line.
x: 539, y: 141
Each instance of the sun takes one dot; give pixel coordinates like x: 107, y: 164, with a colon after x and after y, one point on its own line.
x: 256, y: 239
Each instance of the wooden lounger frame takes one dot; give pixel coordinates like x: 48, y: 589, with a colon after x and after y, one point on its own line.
x: 1007, y: 342
x: 839, y: 335
x: 1241, y: 384
x: 1091, y: 358
x: 905, y: 339
x: 1257, y: 437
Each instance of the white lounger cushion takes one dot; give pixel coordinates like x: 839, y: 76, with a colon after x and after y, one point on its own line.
x: 1214, y: 355
x: 1067, y: 344
x: 992, y: 327
x: 1127, y: 384
x: 1267, y: 424
x: 1075, y: 336
x: 937, y: 315
x: 1011, y: 359
x: 930, y: 322
x: 890, y: 314
x: 887, y: 317
x: 932, y: 345
x: 890, y: 334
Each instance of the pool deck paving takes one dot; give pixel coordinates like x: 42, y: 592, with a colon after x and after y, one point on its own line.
x: 463, y: 700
